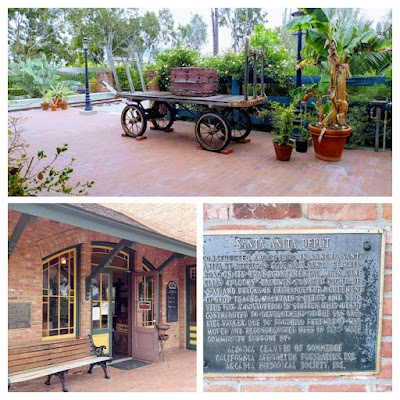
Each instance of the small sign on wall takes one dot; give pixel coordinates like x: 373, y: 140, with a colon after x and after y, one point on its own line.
x: 172, y: 302
x: 19, y: 315
x: 144, y: 305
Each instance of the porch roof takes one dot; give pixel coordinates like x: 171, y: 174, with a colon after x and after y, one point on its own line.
x: 102, y: 219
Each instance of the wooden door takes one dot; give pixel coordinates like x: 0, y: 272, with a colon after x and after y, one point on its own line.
x: 145, y: 315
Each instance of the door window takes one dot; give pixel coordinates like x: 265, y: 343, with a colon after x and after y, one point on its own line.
x: 101, y: 302
x: 145, y: 301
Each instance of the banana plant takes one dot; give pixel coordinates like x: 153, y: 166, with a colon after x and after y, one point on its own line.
x: 326, y: 43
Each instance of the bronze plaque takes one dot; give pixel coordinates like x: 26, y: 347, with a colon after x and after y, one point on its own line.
x: 293, y: 302
x: 19, y: 315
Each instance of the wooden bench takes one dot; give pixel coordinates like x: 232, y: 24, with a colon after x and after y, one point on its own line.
x: 54, y: 358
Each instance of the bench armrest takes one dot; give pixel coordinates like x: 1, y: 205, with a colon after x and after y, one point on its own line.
x: 97, y: 350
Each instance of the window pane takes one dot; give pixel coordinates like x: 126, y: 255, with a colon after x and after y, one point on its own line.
x: 45, y: 317
x: 53, y: 317
x: 71, y: 274
x: 54, y: 281
x: 64, y: 311
x: 104, y: 291
x: 45, y: 279
x: 71, y: 315
x: 64, y: 283
x: 95, y: 289
x: 96, y: 315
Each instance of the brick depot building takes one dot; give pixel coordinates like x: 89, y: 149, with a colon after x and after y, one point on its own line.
x: 80, y: 269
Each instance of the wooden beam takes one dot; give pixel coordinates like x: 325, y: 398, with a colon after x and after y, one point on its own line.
x: 23, y: 221
x: 105, y: 264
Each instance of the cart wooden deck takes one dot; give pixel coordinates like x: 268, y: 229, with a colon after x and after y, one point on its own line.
x: 220, y: 100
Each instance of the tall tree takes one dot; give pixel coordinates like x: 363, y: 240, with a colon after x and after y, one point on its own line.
x: 194, y: 34
x: 167, y: 28
x: 36, y: 31
x: 102, y: 26
x: 242, y: 21
x: 215, y: 23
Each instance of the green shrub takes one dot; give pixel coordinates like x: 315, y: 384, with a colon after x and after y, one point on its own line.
x: 34, y: 76
x: 123, y: 78
x: 93, y: 85
x: 363, y: 127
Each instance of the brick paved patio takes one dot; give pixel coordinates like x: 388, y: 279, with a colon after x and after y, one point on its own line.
x: 176, y: 375
x: 170, y: 164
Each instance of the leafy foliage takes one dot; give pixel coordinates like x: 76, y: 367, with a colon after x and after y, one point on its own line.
x: 278, y: 66
x: 326, y: 42
x: 194, y: 34
x: 36, y: 31
x: 282, y: 118
x: 34, y: 76
x: 28, y: 176
x: 241, y: 21
x: 359, y: 118
x: 228, y: 65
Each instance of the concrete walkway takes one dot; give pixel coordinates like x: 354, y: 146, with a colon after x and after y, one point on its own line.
x: 176, y: 375
x: 170, y: 164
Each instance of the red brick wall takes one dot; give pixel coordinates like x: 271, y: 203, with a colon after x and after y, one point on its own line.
x: 310, y: 216
x: 44, y: 237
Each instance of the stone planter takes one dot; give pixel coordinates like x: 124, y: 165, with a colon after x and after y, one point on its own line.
x: 331, y: 146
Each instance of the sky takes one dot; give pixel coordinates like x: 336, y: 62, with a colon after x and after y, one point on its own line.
x: 182, y: 16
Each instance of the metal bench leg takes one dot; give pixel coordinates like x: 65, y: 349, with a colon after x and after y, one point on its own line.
x: 48, y: 380
x: 90, y: 368
x: 61, y: 375
x: 104, y: 366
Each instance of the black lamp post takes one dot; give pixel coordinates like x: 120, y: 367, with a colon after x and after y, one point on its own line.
x: 88, y: 106
x: 298, y: 13
x: 297, y: 121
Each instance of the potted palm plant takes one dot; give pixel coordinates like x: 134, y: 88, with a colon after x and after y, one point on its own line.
x: 324, y: 43
x: 59, y: 94
x: 65, y: 93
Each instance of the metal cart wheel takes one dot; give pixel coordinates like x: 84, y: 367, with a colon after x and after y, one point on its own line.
x: 133, y: 120
x: 212, y: 131
x: 240, y: 122
x: 165, y: 115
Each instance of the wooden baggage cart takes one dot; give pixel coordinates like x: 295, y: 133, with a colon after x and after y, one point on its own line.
x: 223, y: 118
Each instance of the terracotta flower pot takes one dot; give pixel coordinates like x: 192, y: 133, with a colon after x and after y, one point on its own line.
x: 56, y: 101
x: 64, y: 105
x: 44, y: 106
x: 54, y: 107
x: 332, y: 143
x: 283, y: 152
